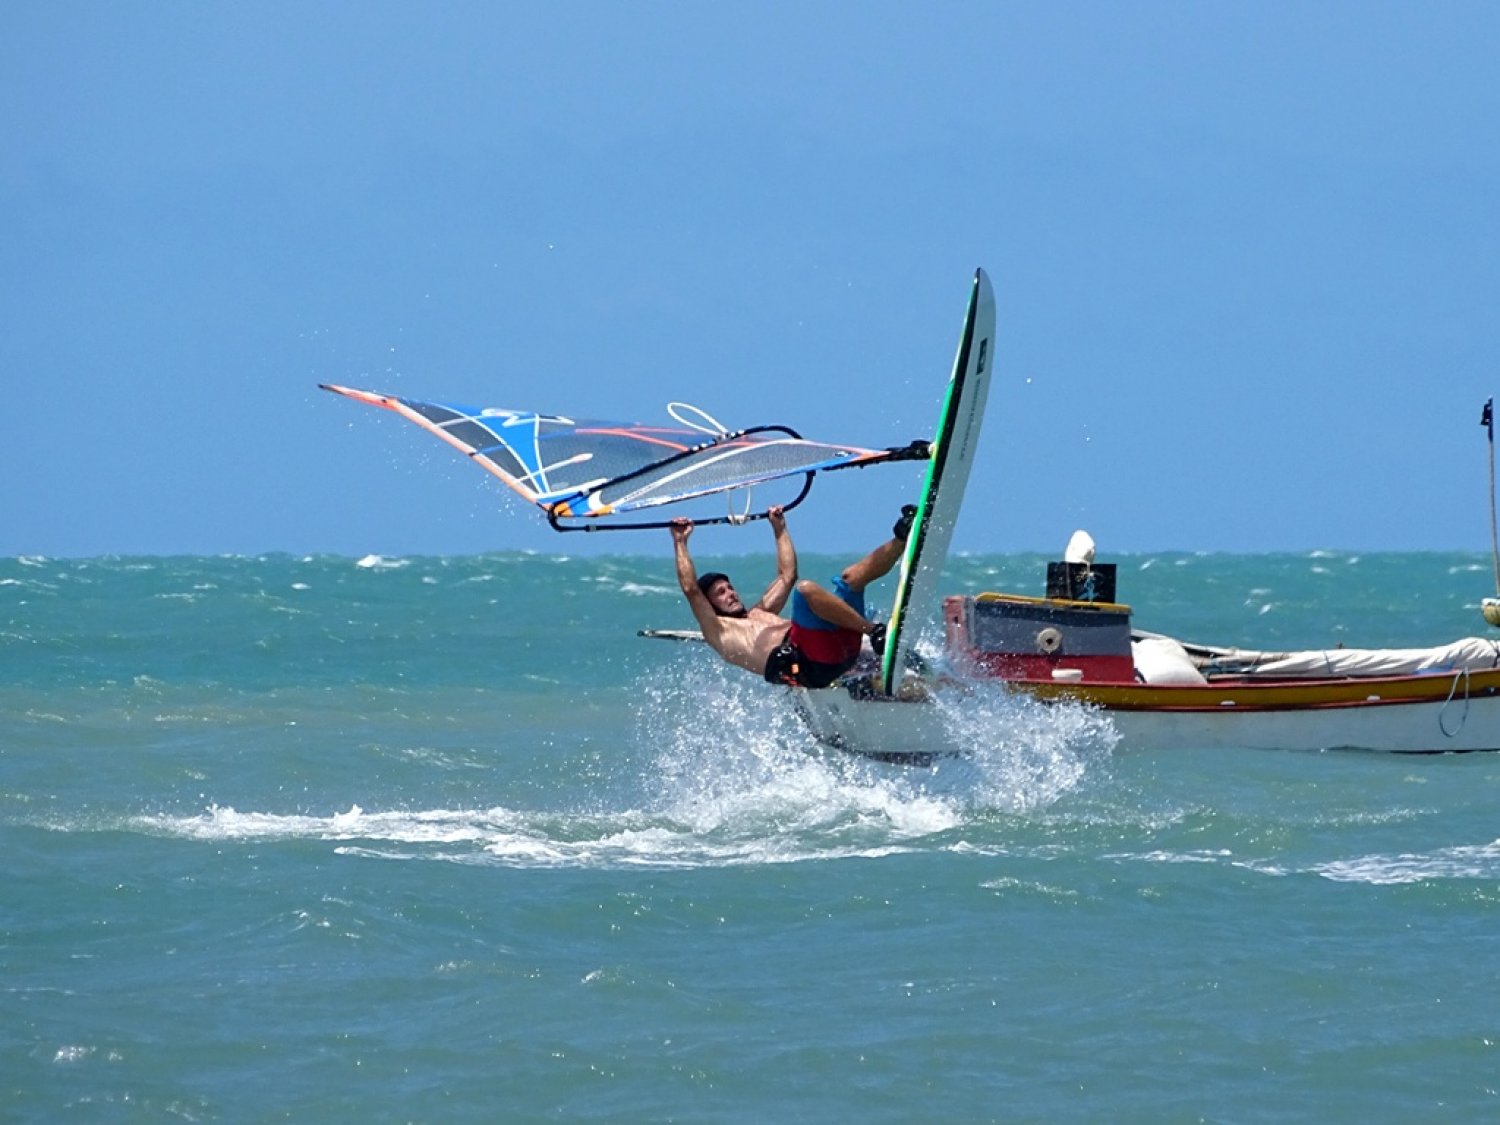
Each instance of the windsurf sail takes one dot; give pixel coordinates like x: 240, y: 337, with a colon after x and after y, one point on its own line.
x: 581, y: 471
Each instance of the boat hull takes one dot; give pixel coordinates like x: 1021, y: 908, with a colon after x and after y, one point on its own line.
x: 1439, y: 713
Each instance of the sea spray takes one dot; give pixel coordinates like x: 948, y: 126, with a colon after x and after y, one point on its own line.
x: 1023, y: 754
x: 735, y: 757
x: 735, y: 763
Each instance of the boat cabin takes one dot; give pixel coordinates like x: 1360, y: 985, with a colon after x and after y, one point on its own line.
x: 1022, y: 638
x: 1078, y: 633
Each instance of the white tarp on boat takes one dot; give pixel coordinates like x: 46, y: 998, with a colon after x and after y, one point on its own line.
x: 1472, y: 653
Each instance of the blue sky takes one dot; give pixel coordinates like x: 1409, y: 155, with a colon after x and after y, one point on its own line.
x: 1246, y: 261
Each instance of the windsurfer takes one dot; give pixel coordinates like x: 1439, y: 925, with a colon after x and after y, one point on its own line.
x: 822, y: 640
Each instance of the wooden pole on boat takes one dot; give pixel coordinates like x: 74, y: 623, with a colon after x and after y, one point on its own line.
x: 1490, y: 607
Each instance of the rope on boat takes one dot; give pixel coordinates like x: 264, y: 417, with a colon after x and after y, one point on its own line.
x: 1463, y: 674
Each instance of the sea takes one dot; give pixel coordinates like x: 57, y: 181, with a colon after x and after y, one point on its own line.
x: 443, y: 839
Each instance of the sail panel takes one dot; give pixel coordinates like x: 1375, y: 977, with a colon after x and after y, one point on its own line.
x: 590, y: 468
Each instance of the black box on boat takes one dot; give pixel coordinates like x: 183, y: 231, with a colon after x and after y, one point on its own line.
x: 1081, y: 582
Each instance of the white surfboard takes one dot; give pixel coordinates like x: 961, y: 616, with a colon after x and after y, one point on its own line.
x: 917, y: 591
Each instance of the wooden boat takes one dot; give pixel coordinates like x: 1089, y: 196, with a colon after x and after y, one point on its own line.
x: 1159, y: 693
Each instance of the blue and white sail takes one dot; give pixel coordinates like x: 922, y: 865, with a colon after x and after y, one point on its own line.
x: 583, y: 471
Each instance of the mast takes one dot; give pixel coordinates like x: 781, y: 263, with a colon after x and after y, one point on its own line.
x: 1490, y: 607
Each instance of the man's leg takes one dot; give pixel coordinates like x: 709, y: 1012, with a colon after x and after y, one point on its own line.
x: 879, y: 562
x: 876, y: 565
x: 831, y: 608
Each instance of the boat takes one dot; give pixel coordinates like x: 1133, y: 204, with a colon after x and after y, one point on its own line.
x: 1077, y: 646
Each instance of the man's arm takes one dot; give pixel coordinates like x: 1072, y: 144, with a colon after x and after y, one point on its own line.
x: 786, y: 565
x: 687, y: 578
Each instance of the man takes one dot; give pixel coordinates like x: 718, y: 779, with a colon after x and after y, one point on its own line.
x: 822, y: 640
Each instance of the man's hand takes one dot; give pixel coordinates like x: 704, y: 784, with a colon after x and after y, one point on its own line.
x: 682, y: 527
x: 777, y: 519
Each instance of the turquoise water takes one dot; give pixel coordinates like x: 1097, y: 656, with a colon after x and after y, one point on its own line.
x: 442, y: 840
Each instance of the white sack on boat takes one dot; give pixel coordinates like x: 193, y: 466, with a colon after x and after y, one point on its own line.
x: 1080, y: 548
x: 1161, y: 660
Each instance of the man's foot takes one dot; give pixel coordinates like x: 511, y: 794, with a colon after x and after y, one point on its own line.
x: 877, y: 639
x: 902, y: 527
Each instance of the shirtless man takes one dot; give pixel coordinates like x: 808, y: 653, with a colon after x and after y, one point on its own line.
x: 822, y: 640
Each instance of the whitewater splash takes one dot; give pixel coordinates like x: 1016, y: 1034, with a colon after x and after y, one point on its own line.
x: 733, y: 760
x: 1024, y: 754
x: 512, y: 837
x: 717, y: 770
x: 732, y: 753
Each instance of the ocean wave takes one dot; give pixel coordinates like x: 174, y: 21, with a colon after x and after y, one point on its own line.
x: 634, y: 838
x: 1205, y: 856
x: 1463, y: 862
x: 1457, y: 863
x: 724, y: 776
x: 639, y: 589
